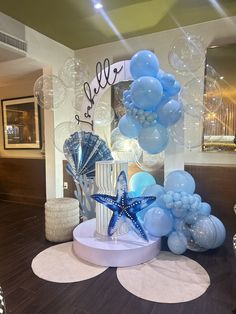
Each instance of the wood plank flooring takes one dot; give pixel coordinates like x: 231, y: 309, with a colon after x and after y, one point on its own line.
x: 22, y: 237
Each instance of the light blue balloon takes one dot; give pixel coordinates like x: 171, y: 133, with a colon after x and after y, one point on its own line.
x: 179, y: 181
x: 179, y: 212
x: 220, y: 232
x: 129, y: 127
x: 146, y: 92
x: 177, y: 242
x: 167, y: 80
x: 157, y: 191
x: 170, y: 113
x: 173, y: 90
x: 144, y: 63
x: 204, y: 232
x: 153, y: 139
x: 139, y: 181
x: 205, y: 209
x: 191, y: 218
x: 158, y: 221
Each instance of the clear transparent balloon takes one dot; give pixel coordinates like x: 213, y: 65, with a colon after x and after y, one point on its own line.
x: 116, y: 136
x: 191, y: 97
x: 150, y: 162
x: 212, y: 73
x: 188, y: 132
x: 212, y: 95
x: 126, y: 150
x: 62, y: 132
x: 78, y: 97
x: 74, y: 73
x: 103, y: 114
x: 187, y: 53
x: 50, y: 91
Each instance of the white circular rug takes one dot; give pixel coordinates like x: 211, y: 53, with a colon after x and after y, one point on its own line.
x: 59, y: 264
x: 169, y: 278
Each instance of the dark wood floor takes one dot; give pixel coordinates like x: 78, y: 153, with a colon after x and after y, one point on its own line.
x: 22, y: 237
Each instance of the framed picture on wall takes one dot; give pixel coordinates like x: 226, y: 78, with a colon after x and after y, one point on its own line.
x: 21, y: 123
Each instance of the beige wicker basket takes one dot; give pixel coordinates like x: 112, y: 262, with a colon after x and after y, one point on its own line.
x: 61, y: 217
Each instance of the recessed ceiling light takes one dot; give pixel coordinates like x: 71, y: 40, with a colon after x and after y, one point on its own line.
x: 221, y: 77
x: 98, y: 6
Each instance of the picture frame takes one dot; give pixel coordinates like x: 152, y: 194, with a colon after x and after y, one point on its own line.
x: 21, y: 123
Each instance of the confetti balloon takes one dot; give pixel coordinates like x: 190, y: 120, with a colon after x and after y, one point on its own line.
x: 50, y: 91
x: 187, y: 53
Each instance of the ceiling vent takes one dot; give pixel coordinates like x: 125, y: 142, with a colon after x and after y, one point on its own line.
x: 11, y: 48
x: 13, y: 42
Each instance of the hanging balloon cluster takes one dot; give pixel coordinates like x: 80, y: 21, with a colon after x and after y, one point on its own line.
x: 53, y: 91
x: 186, y: 56
x: 178, y: 213
x: 150, y: 103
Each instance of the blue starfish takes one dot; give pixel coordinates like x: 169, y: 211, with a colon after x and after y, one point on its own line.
x: 124, y: 206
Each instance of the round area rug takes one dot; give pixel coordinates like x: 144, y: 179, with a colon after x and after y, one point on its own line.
x: 169, y: 278
x: 59, y: 264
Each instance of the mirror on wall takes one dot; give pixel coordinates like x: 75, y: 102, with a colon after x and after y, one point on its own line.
x: 219, y: 127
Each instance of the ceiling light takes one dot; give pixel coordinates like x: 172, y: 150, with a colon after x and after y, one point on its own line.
x: 98, y: 5
x: 221, y: 77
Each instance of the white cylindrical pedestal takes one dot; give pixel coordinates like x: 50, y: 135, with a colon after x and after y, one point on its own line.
x: 107, y: 173
x: 126, y: 250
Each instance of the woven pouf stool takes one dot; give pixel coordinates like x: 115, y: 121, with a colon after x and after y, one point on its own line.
x: 61, y: 217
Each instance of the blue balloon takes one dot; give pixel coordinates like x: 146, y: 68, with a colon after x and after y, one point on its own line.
x: 146, y: 93
x: 205, y: 209
x: 170, y: 113
x: 144, y: 63
x: 204, y: 232
x: 177, y: 242
x: 153, y: 139
x: 158, y: 221
x: 129, y: 127
x: 158, y: 191
x: 139, y: 181
x: 179, y: 181
x: 167, y: 81
x: 179, y: 212
x: 173, y: 90
x: 220, y: 232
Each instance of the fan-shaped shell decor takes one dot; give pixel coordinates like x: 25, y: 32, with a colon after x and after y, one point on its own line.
x: 82, y: 150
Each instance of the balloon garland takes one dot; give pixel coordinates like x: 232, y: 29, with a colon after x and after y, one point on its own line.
x: 150, y: 102
x: 178, y: 213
